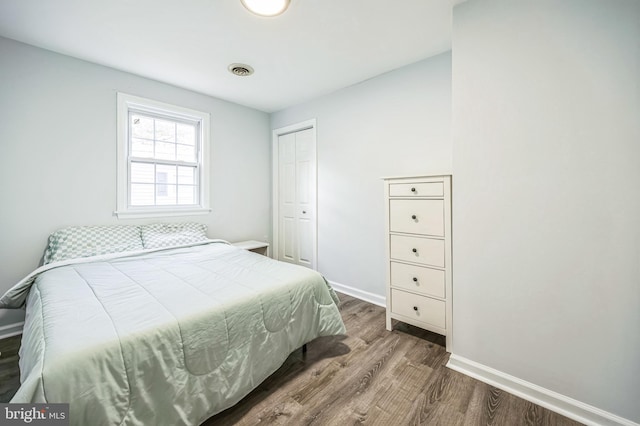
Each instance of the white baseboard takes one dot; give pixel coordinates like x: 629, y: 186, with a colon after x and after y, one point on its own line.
x: 568, y: 407
x: 11, y: 330
x: 359, y: 294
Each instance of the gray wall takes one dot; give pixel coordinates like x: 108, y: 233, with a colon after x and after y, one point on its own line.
x: 394, y: 124
x: 58, y: 155
x: 546, y: 151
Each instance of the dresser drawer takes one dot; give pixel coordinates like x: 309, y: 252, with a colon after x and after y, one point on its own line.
x: 419, y: 279
x: 426, y: 251
x: 417, y: 216
x: 424, y: 189
x: 420, y: 308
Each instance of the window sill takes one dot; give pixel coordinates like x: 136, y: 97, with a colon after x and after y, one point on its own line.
x: 143, y: 214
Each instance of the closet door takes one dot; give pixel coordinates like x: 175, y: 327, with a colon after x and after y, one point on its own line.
x: 297, y: 198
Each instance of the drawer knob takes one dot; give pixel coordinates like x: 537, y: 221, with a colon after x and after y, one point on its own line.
x: 414, y: 250
x: 414, y: 217
x: 415, y: 279
x: 413, y: 190
x: 415, y: 308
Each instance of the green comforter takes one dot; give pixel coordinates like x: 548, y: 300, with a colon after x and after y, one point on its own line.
x: 170, y: 337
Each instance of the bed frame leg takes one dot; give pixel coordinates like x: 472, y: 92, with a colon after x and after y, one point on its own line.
x: 304, y: 349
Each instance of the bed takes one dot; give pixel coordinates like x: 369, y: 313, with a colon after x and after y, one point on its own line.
x: 162, y: 333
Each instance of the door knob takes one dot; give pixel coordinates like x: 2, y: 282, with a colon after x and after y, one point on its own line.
x: 414, y: 250
x: 414, y: 217
x: 304, y: 212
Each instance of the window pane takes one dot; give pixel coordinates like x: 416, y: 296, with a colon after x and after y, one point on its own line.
x: 186, y: 194
x: 141, y: 173
x: 168, y: 173
x: 187, y: 175
x: 168, y: 196
x: 186, y: 153
x: 187, y: 134
x: 142, y: 194
x: 141, y: 126
x: 141, y: 148
x: 165, y: 130
x: 161, y: 185
x: 165, y: 151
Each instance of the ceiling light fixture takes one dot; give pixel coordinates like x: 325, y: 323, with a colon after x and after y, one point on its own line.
x: 266, y: 7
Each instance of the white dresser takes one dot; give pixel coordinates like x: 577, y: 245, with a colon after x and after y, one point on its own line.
x: 418, y: 242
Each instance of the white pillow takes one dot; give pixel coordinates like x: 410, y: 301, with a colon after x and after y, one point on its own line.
x: 159, y: 235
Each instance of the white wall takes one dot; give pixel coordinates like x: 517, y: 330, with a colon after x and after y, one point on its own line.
x: 546, y: 163
x: 58, y: 155
x: 394, y: 124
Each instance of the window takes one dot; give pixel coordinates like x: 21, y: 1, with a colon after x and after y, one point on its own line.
x: 162, y: 159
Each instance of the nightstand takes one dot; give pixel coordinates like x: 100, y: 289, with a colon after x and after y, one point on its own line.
x: 259, y: 247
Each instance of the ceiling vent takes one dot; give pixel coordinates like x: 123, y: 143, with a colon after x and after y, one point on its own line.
x: 241, y: 70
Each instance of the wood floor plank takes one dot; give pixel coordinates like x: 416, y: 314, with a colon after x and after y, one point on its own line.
x: 433, y: 413
x: 9, y: 372
x: 488, y: 407
x: 370, y: 376
x: 280, y: 414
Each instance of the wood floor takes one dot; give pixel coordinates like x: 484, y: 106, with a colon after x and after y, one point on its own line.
x: 376, y: 377
x: 370, y: 376
x: 9, y: 371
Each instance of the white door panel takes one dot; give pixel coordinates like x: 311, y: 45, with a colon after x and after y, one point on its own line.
x: 287, y: 242
x: 297, y: 198
x: 288, y: 183
x: 305, y: 238
x: 302, y: 183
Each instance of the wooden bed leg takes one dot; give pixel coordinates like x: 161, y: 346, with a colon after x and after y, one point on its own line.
x: 304, y: 349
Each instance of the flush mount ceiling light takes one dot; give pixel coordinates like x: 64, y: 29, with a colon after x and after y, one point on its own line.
x: 266, y: 7
x: 241, y: 70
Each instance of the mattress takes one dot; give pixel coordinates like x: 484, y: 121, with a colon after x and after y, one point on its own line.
x: 168, y: 336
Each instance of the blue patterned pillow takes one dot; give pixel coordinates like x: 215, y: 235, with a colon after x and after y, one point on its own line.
x: 159, y: 235
x: 85, y: 241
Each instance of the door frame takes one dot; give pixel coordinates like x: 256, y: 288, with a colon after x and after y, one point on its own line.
x: 275, y: 183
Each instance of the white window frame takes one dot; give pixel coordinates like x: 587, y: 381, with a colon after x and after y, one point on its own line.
x: 128, y: 102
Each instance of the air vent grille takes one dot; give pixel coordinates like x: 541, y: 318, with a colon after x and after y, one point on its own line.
x: 241, y: 70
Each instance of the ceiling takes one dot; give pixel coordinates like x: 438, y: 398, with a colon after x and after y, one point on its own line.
x: 314, y: 48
